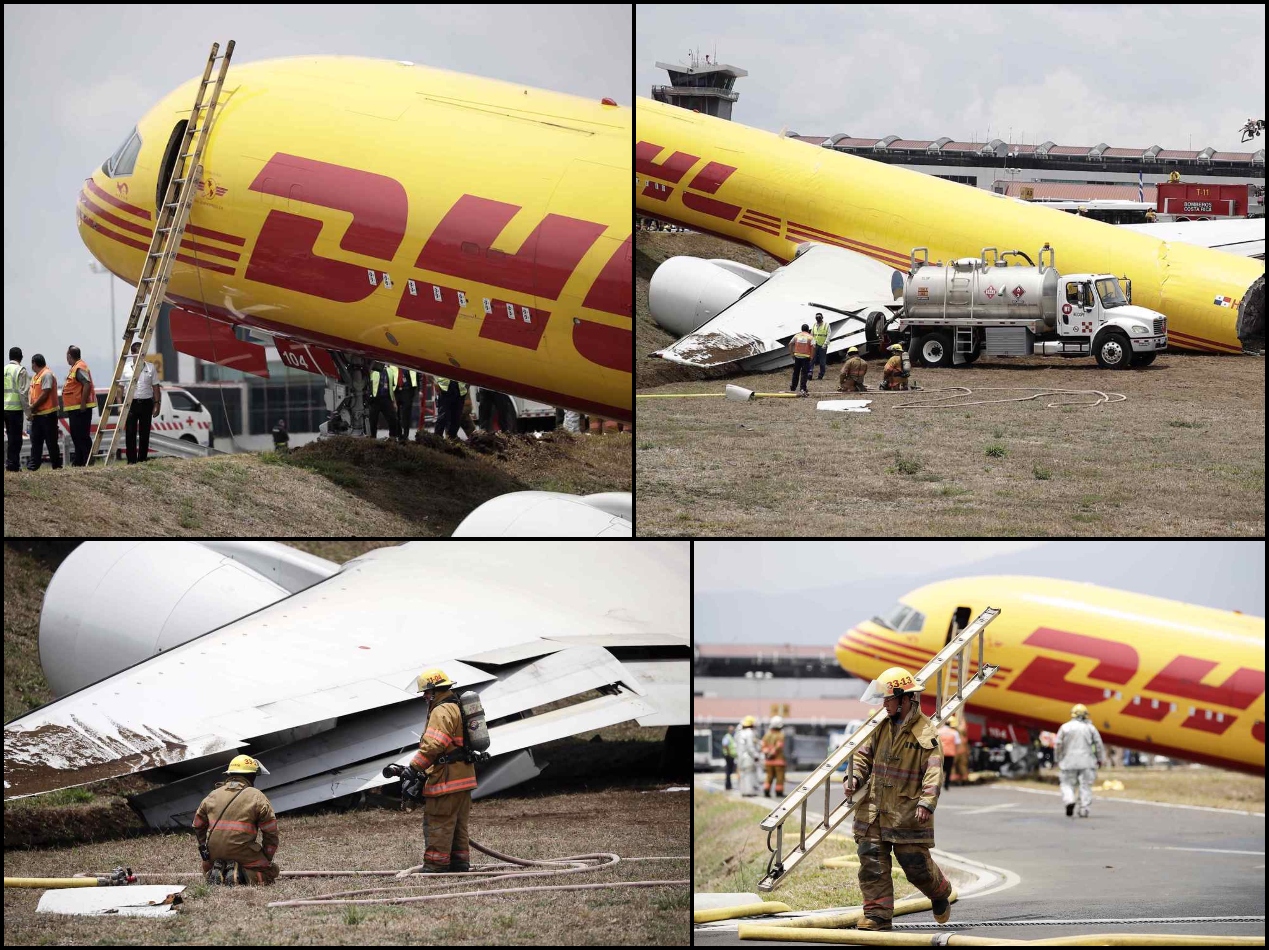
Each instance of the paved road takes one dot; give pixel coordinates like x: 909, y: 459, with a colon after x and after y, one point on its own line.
x: 1126, y: 860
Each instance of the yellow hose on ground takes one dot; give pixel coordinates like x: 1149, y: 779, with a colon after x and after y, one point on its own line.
x: 909, y: 905
x: 842, y: 861
x: 50, y: 882
x: 742, y: 910
x: 884, y: 939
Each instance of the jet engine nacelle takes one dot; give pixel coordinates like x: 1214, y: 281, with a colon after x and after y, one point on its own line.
x: 686, y: 291
x: 112, y: 604
x: 546, y: 514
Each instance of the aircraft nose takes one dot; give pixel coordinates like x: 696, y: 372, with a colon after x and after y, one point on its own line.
x: 111, y: 225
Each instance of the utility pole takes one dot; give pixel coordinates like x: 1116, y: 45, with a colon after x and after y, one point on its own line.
x: 98, y: 269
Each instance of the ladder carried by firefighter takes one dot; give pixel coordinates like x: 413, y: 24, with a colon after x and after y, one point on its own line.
x: 811, y: 833
x: 171, y: 216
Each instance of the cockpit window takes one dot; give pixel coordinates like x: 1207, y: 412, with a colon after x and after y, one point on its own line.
x: 902, y: 619
x: 124, y: 159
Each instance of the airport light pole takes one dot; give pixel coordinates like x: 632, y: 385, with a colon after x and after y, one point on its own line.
x: 98, y: 269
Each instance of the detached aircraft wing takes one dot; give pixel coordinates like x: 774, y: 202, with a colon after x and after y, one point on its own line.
x: 1242, y: 236
x: 850, y: 289
x: 556, y: 637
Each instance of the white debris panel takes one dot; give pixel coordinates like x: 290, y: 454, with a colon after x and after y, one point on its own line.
x: 132, y: 900
x: 844, y: 405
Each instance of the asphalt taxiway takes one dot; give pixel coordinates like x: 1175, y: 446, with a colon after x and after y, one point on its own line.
x: 1026, y: 871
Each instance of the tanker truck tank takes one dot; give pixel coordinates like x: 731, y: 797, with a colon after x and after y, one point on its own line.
x: 983, y: 288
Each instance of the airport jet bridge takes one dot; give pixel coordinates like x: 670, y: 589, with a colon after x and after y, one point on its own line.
x: 941, y: 669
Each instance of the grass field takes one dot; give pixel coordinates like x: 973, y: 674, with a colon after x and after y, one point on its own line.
x: 1183, y: 455
x: 337, y: 487
x: 629, y: 821
x: 730, y: 855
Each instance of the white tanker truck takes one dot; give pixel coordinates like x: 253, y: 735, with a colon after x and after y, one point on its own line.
x: 952, y: 314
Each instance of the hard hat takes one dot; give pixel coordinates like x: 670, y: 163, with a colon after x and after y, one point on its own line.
x: 853, y: 349
x: 777, y: 722
x: 433, y: 679
x: 896, y: 348
x: 747, y: 721
x: 951, y: 721
x: 245, y: 765
x: 893, y: 682
x: 1079, y: 711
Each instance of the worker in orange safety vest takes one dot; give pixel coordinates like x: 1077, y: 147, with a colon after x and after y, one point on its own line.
x: 802, y: 346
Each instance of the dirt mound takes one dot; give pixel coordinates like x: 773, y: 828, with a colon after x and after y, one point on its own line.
x: 333, y: 487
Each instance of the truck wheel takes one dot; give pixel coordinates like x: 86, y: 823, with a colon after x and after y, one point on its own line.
x: 1143, y: 359
x: 935, y: 349
x: 1114, y: 351
x: 973, y: 354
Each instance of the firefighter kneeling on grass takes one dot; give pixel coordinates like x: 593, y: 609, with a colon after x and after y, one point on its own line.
x: 451, y: 777
x: 227, y: 823
x: 899, y: 771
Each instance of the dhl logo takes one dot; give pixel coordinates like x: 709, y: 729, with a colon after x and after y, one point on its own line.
x: 1117, y: 664
x: 460, y: 246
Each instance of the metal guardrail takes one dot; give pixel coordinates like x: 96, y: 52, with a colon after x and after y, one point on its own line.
x: 782, y: 861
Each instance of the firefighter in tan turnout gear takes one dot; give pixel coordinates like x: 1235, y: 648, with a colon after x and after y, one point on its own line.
x: 899, y: 772
x: 227, y: 823
x: 773, y: 756
x: 451, y: 777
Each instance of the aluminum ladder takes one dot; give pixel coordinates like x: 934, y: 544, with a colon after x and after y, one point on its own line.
x: 949, y: 660
x: 169, y: 225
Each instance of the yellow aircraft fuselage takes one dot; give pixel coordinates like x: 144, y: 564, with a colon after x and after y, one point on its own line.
x: 775, y: 193
x: 1156, y: 675
x: 461, y: 226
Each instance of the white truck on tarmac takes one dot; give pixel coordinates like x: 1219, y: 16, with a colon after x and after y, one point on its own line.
x: 500, y: 412
x: 954, y: 313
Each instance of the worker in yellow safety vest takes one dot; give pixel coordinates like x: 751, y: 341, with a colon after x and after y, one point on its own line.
x: 17, y: 406
x: 802, y: 346
x: 44, y: 431
x: 450, y: 394
x: 78, y: 401
x: 383, y: 386
x: 820, y: 333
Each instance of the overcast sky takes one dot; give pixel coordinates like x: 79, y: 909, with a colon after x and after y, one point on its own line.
x: 77, y: 79
x: 1130, y: 76
x: 797, y: 565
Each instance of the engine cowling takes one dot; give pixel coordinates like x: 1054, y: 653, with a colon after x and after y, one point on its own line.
x: 112, y: 604
x: 687, y: 291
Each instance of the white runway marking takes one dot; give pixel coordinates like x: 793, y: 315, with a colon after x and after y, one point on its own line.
x: 1208, y: 850
x: 1098, y: 799
x: 987, y: 808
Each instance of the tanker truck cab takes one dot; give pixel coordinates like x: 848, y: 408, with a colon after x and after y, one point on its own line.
x: 980, y: 305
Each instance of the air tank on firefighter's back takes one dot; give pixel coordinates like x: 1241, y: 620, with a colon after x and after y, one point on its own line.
x: 983, y: 287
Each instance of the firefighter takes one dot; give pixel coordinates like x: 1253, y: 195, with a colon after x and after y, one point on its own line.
x: 853, y: 372
x: 802, y: 346
x: 899, y: 770
x: 451, y: 777
x: 1079, y: 750
x: 773, y: 756
x: 820, y: 334
x: 227, y: 823
x: 747, y: 757
x: 894, y: 376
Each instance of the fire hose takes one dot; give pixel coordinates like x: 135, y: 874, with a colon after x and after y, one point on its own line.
x: 508, y: 868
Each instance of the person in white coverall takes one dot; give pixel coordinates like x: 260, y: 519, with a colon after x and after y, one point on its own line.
x: 747, y: 758
x: 1079, y: 753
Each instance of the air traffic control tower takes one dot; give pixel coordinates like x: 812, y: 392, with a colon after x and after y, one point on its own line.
x: 701, y: 86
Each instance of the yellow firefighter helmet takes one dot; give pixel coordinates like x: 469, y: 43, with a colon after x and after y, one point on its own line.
x: 853, y: 349
x: 951, y: 721
x: 746, y: 722
x: 896, y: 348
x: 893, y: 682
x: 434, y: 678
x: 1079, y: 711
x: 245, y: 765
